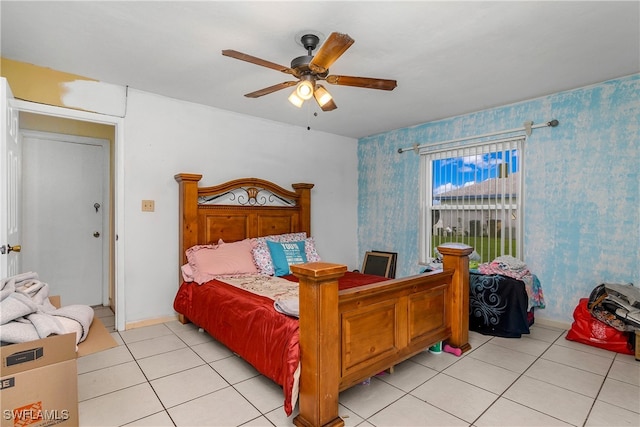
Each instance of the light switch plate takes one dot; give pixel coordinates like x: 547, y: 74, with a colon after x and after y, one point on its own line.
x: 148, y: 206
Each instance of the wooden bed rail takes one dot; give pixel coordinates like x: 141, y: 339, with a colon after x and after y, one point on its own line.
x: 347, y: 336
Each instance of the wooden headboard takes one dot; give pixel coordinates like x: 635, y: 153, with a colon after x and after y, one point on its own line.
x: 238, y: 209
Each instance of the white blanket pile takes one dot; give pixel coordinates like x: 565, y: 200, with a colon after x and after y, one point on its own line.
x: 26, y: 314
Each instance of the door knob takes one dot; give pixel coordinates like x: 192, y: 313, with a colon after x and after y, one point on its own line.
x: 6, y: 249
x: 96, y: 234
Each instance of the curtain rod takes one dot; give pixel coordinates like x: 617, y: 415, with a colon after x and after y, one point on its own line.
x: 527, y: 127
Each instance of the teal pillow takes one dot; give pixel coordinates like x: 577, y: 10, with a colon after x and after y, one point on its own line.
x: 283, y: 254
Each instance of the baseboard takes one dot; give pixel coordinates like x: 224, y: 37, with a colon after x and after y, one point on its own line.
x: 149, y: 322
x: 552, y: 324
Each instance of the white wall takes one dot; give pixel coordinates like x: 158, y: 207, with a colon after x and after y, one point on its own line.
x: 164, y: 137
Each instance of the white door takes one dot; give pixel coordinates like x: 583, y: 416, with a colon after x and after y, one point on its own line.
x: 64, y: 214
x: 10, y: 161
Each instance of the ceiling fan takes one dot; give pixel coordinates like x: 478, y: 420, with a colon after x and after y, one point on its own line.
x: 310, y: 70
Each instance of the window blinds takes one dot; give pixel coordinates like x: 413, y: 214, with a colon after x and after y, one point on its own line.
x: 472, y: 193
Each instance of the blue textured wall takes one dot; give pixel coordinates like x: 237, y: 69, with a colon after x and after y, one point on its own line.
x: 581, y: 186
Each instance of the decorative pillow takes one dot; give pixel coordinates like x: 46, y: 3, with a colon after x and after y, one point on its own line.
x: 208, y: 261
x: 285, y: 254
x: 310, y: 250
x: 187, y: 273
x: 261, y: 254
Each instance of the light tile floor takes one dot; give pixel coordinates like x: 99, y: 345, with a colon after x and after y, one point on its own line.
x: 173, y: 375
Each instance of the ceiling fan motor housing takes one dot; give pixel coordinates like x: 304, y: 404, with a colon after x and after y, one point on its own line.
x: 301, y: 63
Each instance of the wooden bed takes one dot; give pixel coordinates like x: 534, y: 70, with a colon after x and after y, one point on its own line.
x: 345, y: 336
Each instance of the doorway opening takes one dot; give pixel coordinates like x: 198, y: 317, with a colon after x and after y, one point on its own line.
x: 66, y: 215
x: 58, y: 120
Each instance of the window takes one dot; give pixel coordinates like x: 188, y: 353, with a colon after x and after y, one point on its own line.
x: 472, y: 194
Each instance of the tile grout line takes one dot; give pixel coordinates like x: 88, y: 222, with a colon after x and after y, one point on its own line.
x: 522, y: 374
x: 150, y: 386
x: 200, y: 330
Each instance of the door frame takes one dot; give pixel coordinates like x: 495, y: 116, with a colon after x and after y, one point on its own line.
x: 118, y: 199
x: 104, y: 147
x: 9, y: 215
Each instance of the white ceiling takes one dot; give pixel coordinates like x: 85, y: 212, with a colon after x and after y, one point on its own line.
x: 449, y: 57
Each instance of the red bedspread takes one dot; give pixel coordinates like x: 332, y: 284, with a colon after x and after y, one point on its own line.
x: 249, y: 325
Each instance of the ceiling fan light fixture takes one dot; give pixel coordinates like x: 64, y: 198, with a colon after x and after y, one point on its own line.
x: 295, y: 99
x: 304, y: 90
x: 322, y: 95
x: 310, y: 69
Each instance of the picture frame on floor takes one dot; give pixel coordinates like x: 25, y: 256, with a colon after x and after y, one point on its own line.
x: 380, y: 263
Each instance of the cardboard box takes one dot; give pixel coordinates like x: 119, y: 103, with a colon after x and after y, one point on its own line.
x: 39, y: 385
x: 39, y: 379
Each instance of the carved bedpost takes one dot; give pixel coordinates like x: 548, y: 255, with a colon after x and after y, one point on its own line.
x: 187, y: 217
x: 304, y: 193
x: 188, y: 213
x: 319, y: 344
x: 456, y: 257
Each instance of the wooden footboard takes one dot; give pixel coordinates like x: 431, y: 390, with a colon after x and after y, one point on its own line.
x: 348, y: 336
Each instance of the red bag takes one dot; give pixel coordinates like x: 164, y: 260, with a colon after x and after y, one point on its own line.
x: 586, y: 329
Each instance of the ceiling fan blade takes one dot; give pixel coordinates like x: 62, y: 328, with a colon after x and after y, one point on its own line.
x: 270, y: 89
x: 252, y: 59
x: 331, y: 49
x: 366, y: 82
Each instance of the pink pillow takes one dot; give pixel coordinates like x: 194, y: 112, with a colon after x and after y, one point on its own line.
x: 223, y: 259
x: 187, y: 273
